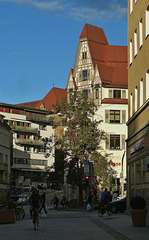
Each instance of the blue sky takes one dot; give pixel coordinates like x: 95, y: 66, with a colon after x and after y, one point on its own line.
x: 39, y: 40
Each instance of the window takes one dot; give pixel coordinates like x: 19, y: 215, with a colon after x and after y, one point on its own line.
x: 117, y: 94
x: 136, y: 99
x: 131, y: 6
x: 141, y: 33
x: 147, y: 85
x: 84, y: 75
x: 141, y: 92
x: 135, y: 43
x: 84, y: 55
x: 97, y: 93
x: 147, y: 21
x: 131, y: 104
x: 130, y: 57
x: 114, y: 141
x: 85, y: 92
x: 114, y: 116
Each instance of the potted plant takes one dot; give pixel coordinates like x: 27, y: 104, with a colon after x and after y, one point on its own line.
x: 8, y: 215
x: 138, y: 211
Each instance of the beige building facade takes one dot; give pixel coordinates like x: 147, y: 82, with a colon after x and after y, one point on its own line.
x: 138, y: 99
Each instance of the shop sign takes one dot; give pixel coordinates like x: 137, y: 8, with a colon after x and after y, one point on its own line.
x: 137, y: 147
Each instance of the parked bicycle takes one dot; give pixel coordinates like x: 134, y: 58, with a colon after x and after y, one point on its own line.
x: 19, y: 211
x: 56, y: 206
x: 104, y: 208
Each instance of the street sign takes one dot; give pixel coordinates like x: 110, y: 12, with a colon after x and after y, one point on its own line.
x: 94, y: 181
x: 86, y: 161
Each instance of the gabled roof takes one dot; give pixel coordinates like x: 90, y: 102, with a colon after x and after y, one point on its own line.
x: 111, y: 61
x: 53, y: 96
x: 94, y: 34
x: 33, y: 104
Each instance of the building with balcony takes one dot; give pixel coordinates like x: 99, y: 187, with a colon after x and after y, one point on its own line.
x: 5, y: 157
x: 100, y: 72
x: 138, y: 99
x: 31, y: 160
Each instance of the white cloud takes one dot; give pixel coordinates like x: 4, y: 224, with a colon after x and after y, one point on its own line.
x: 79, y: 10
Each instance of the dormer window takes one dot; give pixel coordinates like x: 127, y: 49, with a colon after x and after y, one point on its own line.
x: 84, y: 75
x: 116, y: 93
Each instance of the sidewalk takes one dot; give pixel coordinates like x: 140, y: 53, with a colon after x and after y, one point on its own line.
x: 122, y: 223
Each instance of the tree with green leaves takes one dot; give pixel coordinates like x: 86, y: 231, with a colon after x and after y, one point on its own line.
x: 81, y: 134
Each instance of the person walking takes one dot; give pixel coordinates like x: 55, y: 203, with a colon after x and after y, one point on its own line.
x: 43, y: 196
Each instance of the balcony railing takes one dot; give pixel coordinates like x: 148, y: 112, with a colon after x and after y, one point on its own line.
x: 3, y: 167
x: 30, y: 143
x: 40, y: 119
x: 23, y: 129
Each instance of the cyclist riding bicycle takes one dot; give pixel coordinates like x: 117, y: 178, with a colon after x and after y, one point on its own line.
x: 36, y: 203
x: 105, y: 197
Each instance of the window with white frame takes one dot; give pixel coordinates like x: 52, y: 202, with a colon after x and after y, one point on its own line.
x: 136, y: 99
x: 140, y: 33
x: 135, y: 42
x: 131, y: 6
x: 131, y: 104
x: 147, y: 84
x: 141, y: 92
x: 84, y: 75
x: 147, y: 21
x: 130, y: 45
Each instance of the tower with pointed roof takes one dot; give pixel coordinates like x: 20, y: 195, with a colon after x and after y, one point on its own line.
x: 100, y: 72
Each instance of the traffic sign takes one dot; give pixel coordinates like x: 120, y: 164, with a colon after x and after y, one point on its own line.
x: 94, y: 181
x: 86, y: 161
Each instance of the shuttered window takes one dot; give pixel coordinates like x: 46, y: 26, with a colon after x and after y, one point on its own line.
x: 123, y: 116
x: 107, y: 141
x: 114, y: 116
x: 124, y: 94
x: 110, y: 94
x: 106, y: 116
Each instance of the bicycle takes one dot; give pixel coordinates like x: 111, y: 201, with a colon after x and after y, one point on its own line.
x: 104, y: 208
x: 19, y: 212
x: 35, y: 212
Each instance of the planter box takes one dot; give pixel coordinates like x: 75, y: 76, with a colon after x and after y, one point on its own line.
x: 7, y: 216
x: 138, y: 217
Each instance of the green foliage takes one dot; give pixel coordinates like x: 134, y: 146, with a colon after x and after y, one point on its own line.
x: 103, y: 170
x: 82, y: 135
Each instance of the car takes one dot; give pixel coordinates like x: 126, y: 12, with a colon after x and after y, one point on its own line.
x: 118, y: 205
x: 27, y: 188
x: 23, y: 199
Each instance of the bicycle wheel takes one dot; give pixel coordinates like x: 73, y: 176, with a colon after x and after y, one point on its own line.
x: 50, y: 206
x: 109, y: 211
x: 100, y: 212
x: 20, y: 214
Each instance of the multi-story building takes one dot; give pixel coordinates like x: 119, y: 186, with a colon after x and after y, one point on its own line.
x: 30, y: 159
x: 100, y: 72
x: 5, y: 157
x: 138, y: 98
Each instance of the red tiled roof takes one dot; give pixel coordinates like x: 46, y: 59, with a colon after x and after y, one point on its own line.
x: 54, y: 95
x: 110, y: 60
x: 94, y: 34
x: 115, y: 101
x: 31, y: 104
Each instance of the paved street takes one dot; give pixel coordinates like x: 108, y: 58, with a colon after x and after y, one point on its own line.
x: 58, y: 225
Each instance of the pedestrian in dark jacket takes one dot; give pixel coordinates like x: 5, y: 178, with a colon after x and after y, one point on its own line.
x: 43, y: 196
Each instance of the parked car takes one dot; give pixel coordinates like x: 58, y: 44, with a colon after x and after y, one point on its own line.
x: 28, y: 188
x: 23, y: 199
x: 118, y: 205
